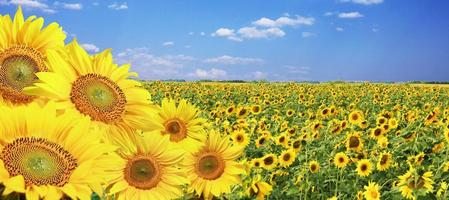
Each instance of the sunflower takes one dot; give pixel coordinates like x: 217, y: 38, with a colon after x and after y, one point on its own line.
x: 412, y: 183
x: 257, y: 162
x: 261, y: 140
x: 259, y: 188
x: 181, y: 123
x: 23, y: 44
x: 446, y: 134
x: 96, y: 87
x: 269, y: 161
x: 287, y: 157
x: 296, y: 145
x: 314, y: 166
x: 47, y: 156
x: 372, y: 191
x: 256, y: 109
x: 354, y: 142
x: 341, y: 160
x: 242, y: 112
x: 282, y: 140
x: 364, y: 167
x: 377, y: 133
x: 147, y: 167
x: 212, y: 169
x: 355, y: 117
x: 240, y: 137
x: 230, y: 110
x: 384, y: 161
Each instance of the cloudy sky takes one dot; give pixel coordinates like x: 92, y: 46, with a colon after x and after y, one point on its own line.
x: 279, y: 40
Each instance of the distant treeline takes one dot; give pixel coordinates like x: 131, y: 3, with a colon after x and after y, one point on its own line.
x: 266, y: 81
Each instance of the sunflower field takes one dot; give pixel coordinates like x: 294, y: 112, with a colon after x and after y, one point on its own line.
x: 79, y: 126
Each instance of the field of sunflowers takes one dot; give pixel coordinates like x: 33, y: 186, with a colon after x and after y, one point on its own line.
x: 79, y: 126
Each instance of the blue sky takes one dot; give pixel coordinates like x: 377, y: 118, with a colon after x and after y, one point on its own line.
x: 320, y: 40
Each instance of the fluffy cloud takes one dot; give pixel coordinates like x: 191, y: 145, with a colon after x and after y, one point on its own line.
x: 284, y: 21
x: 118, y: 6
x: 150, y: 66
x: 168, y: 43
x: 90, y: 48
x: 69, y: 6
x: 227, y: 33
x: 365, y: 2
x: 213, y: 73
x: 31, y: 4
x: 255, y: 33
x: 350, y: 15
x: 229, y: 60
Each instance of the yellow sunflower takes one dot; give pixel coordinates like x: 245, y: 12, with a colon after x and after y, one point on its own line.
x: 364, y: 167
x: 213, y: 169
x: 384, y: 162
x: 412, y: 183
x: 95, y: 87
x: 148, y: 167
x: 287, y: 158
x: 314, y: 166
x: 23, y: 44
x: 269, y: 161
x: 261, y: 141
x: 47, y: 157
x: 341, y: 160
x: 372, y: 191
x: 181, y: 123
x: 354, y: 142
x: 259, y: 188
x: 240, y: 137
x: 446, y: 134
x: 355, y: 117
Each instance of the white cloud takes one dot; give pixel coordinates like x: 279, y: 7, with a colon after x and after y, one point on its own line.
x: 119, y: 6
x: 364, y: 2
x: 229, y: 60
x: 202, y: 33
x: 259, y: 75
x: 31, y: 4
x: 213, y: 73
x: 284, y: 21
x: 255, y: 33
x: 308, y: 34
x: 168, y: 43
x: 329, y: 13
x: 350, y: 15
x: 339, y: 29
x: 69, y: 6
x: 227, y: 33
x: 150, y: 66
x: 297, y: 69
x: 90, y: 48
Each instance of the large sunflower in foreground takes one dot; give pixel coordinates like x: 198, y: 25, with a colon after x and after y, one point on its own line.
x: 412, y: 183
x: 46, y: 157
x: 148, y: 168
x: 181, y: 123
x: 212, y: 169
x: 95, y: 87
x: 23, y: 44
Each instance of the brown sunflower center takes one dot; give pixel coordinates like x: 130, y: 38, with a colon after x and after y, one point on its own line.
x: 418, y: 184
x: 210, y: 166
x: 341, y: 160
x: 176, y: 128
x: 99, y: 97
x: 18, y: 65
x: 384, y: 159
x: 286, y: 157
x: 364, y: 167
x: 313, y: 167
x: 354, y: 142
x: 39, y: 161
x: 377, y: 132
x: 239, y: 138
x: 355, y: 117
x: 268, y: 160
x: 143, y: 172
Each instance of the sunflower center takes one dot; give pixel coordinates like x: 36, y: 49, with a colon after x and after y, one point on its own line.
x: 18, y: 65
x: 313, y: 167
x: 286, y: 157
x: 99, y: 97
x: 176, y: 128
x: 354, y: 142
x: 418, y: 184
x: 384, y: 159
x: 268, y: 160
x: 143, y: 172
x: 210, y: 166
x: 39, y: 161
x: 341, y: 160
x: 363, y: 167
x: 239, y: 138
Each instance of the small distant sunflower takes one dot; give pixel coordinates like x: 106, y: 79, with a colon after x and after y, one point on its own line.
x: 242, y: 112
x: 289, y: 112
x: 240, y: 137
x: 212, y: 169
x: 377, y: 133
x: 282, y: 140
x: 355, y: 117
x: 259, y: 188
x: 412, y: 181
x: 372, y: 191
x: 354, y: 142
x: 95, y: 87
x: 147, y: 167
x: 341, y: 160
x: 46, y: 156
x: 256, y: 109
x: 296, y: 145
x: 23, y: 46
x: 181, y: 123
x: 257, y: 162
x: 261, y: 141
x: 269, y: 161
x: 287, y: 157
x: 384, y: 162
x: 314, y: 166
x: 364, y: 167
x: 230, y: 110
